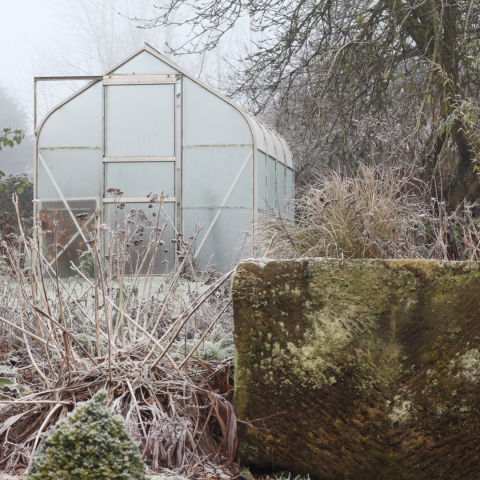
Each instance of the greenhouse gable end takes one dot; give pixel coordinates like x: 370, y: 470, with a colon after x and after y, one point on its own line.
x: 147, y: 126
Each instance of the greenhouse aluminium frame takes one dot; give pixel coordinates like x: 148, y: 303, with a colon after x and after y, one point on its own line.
x: 173, y: 127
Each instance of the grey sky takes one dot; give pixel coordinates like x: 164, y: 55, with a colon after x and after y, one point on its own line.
x: 55, y: 37
x: 86, y: 37
x: 24, y: 26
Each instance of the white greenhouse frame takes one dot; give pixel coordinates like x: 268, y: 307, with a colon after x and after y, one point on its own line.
x: 265, y: 141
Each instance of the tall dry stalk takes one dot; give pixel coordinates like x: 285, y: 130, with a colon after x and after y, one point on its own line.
x: 122, y: 327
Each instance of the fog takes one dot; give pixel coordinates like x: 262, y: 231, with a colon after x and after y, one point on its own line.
x: 84, y: 37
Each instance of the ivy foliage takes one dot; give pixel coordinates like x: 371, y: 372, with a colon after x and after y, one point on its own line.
x: 9, y: 137
x: 6, y: 382
x: 91, y: 443
x: 18, y: 182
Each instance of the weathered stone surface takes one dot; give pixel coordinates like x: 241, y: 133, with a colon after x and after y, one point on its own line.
x: 360, y: 369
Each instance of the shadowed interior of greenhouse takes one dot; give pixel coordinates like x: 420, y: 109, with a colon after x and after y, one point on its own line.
x: 148, y: 126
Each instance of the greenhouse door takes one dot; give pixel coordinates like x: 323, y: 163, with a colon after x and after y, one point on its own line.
x: 139, y: 155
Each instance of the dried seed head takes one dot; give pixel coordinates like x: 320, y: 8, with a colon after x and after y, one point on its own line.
x: 81, y: 216
x: 116, y: 192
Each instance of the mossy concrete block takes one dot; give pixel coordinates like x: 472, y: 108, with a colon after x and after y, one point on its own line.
x: 359, y: 369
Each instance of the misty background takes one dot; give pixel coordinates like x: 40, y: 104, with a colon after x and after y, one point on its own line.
x: 87, y: 37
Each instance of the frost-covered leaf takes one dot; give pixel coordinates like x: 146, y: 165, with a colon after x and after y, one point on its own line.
x: 9, y: 383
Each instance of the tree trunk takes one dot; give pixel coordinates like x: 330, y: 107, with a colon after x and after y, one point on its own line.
x: 439, y: 44
x: 465, y: 186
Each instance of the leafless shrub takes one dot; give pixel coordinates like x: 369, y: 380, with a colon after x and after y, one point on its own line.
x: 160, y: 345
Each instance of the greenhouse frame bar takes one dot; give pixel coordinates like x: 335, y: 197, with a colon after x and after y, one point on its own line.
x: 147, y: 125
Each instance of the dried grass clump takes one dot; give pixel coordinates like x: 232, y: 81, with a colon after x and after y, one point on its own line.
x: 159, y: 345
x: 91, y: 443
x: 379, y: 213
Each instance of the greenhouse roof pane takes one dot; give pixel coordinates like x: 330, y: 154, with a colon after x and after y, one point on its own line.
x: 210, y: 120
x: 270, y: 145
x: 145, y: 63
x: 77, y: 123
x: 260, y: 134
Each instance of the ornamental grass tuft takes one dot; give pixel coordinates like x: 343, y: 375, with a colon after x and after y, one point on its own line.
x: 91, y: 443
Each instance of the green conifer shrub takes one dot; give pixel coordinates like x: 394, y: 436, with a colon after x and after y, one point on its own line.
x: 91, y: 443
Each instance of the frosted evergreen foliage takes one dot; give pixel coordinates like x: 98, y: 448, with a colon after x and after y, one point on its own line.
x: 91, y: 443
x: 217, y: 348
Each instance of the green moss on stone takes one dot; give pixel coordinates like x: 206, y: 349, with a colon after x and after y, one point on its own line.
x: 363, y: 361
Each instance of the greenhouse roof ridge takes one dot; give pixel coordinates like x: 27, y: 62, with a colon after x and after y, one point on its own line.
x: 259, y: 129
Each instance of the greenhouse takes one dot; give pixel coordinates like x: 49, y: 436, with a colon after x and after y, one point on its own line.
x: 148, y: 126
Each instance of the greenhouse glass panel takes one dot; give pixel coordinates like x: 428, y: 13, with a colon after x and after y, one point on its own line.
x: 72, y: 234
x: 260, y: 136
x: 138, y: 179
x: 281, y: 187
x: 145, y: 63
x: 223, y: 246
x: 271, y: 183
x: 209, y: 120
x: 77, y: 123
x: 69, y: 182
x: 288, y: 154
x: 261, y: 179
x: 218, y: 177
x: 290, y: 192
x: 143, y: 216
x: 280, y: 156
x: 270, y: 142
x: 69, y: 174
x: 218, y: 192
x: 140, y: 121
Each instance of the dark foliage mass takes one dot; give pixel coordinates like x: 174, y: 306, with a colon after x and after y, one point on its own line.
x: 8, y: 217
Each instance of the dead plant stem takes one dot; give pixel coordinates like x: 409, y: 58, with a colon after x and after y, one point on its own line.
x: 204, y: 334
